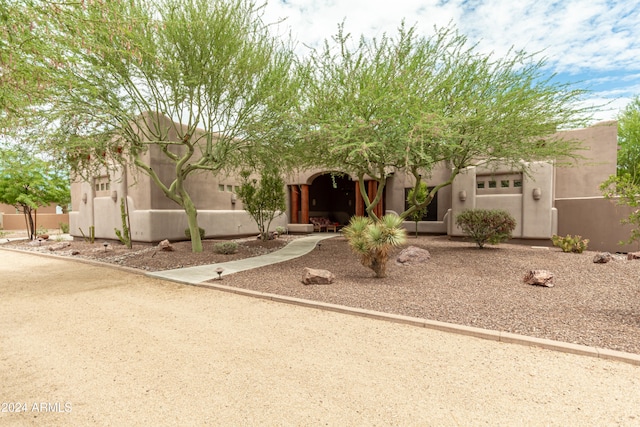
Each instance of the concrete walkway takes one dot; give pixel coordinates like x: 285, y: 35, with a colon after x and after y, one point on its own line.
x: 202, y: 273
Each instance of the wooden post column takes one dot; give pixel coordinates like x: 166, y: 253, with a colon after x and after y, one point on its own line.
x: 295, y: 204
x: 304, y: 204
x: 359, y: 201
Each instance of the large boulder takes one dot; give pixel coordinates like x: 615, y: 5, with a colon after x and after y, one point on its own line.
x: 539, y: 278
x: 413, y: 255
x: 313, y: 276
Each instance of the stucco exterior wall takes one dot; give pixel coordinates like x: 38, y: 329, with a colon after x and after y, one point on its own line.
x: 528, y: 197
x: 533, y: 203
x: 596, y: 219
x: 600, y: 151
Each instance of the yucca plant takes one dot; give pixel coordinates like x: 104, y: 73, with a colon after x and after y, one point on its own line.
x: 373, y: 241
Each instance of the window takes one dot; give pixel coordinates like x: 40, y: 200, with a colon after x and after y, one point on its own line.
x: 499, y: 183
x: 102, y: 185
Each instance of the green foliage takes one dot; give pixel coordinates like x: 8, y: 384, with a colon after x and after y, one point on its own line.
x: 201, y: 232
x: 29, y: 182
x: 486, y: 226
x: 204, y: 84
x: 373, y: 240
x: 629, y: 142
x: 41, y: 231
x: 264, y: 201
x: 91, y: 238
x: 624, y: 187
x: 568, y: 243
x: 281, y: 230
x: 64, y: 227
x: 225, y: 248
x: 625, y: 190
x: 409, y: 103
x: 125, y: 235
x: 416, y: 197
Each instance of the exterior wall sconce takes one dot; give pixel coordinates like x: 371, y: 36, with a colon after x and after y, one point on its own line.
x: 234, y: 198
x: 462, y: 195
x: 84, y: 198
x: 114, y: 196
x: 536, y: 193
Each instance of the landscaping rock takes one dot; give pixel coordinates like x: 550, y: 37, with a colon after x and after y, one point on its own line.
x: 314, y: 276
x: 539, y: 278
x: 413, y: 255
x: 166, y: 246
x: 633, y: 255
x: 59, y: 246
x: 602, y: 258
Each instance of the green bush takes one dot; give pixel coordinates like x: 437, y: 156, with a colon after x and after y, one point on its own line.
x: 486, y: 226
x: 225, y: 248
x: 187, y: 233
x: 281, y: 230
x: 64, y: 227
x: 569, y: 243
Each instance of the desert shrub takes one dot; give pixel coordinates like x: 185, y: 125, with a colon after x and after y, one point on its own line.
x: 64, y: 227
x: 373, y: 241
x: 41, y: 231
x: 187, y: 233
x: 225, y: 248
x: 486, y: 226
x: 281, y: 230
x: 570, y: 243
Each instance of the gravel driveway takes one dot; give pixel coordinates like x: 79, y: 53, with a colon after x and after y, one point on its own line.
x: 89, y: 345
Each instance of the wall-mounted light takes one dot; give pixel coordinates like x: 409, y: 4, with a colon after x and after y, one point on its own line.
x: 234, y: 198
x: 84, y: 198
x: 313, y: 202
x: 462, y: 195
x: 536, y: 193
x: 114, y: 196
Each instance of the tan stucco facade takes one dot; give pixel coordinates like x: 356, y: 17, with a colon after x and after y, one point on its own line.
x: 541, y: 200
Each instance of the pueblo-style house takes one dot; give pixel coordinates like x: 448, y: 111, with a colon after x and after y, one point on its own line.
x: 549, y: 200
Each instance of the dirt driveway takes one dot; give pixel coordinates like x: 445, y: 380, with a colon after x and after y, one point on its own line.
x: 89, y: 345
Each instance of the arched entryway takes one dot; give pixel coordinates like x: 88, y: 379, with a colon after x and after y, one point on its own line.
x: 333, y: 196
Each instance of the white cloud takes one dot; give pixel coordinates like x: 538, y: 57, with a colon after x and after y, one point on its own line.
x: 578, y: 37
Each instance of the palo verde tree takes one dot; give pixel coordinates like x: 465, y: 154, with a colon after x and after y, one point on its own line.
x: 29, y: 182
x: 410, y: 103
x: 416, y: 197
x: 624, y: 187
x: 264, y: 200
x: 201, y: 84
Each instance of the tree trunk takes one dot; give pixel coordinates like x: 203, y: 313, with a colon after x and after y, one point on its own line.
x: 379, y: 265
x: 192, y: 218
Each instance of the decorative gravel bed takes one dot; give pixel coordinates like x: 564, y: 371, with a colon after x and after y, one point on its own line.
x: 591, y: 304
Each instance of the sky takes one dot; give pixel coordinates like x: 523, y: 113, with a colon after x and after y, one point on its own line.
x: 593, y: 44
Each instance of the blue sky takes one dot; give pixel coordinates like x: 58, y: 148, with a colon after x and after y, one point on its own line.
x: 593, y: 43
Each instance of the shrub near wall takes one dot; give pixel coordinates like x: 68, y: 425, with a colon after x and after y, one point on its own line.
x: 486, y: 226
